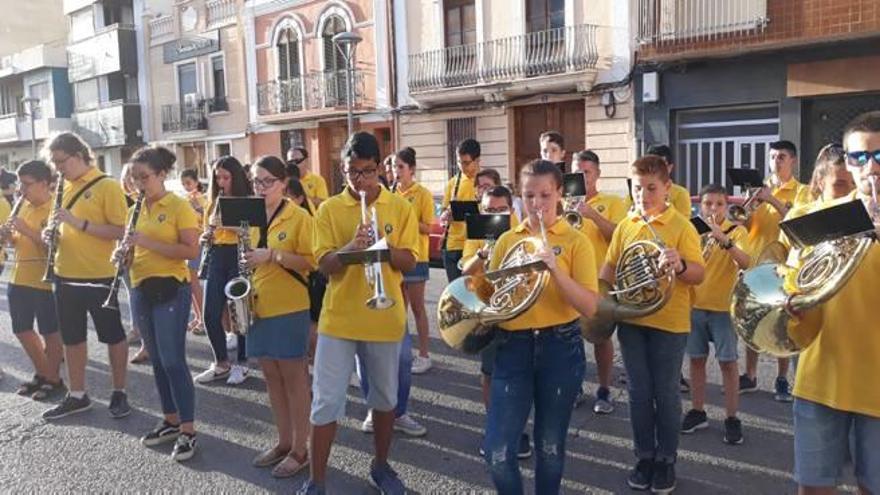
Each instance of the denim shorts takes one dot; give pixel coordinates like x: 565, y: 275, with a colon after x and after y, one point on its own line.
x: 715, y: 327
x: 279, y: 337
x: 823, y: 435
x: 417, y: 274
x: 334, y: 363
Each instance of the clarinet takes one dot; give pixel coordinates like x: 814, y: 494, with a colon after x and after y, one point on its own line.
x: 123, y: 254
x: 52, y: 241
x: 453, y: 198
x: 6, y: 229
x: 208, y: 243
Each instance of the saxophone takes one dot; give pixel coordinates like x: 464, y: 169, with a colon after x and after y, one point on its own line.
x: 240, y: 290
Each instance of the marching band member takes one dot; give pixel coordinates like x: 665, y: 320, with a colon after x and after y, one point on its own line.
x: 653, y: 346
x: 29, y: 297
x: 414, y: 282
x: 540, y: 355
x: 348, y: 327
x: 830, y: 180
x: 552, y: 146
x: 486, y: 180
x: 315, y: 185
x: 600, y: 212
x: 459, y: 188
x: 90, y: 220
x: 710, y: 316
x: 279, y: 337
x: 189, y: 179
x: 775, y: 199
x: 836, y: 406
x: 165, y: 236
x: 227, y: 179
x: 130, y: 189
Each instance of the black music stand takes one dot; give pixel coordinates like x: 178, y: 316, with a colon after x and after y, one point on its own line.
x: 461, y: 209
x: 838, y: 221
x: 486, y: 227
x: 574, y: 185
x: 234, y: 211
x: 745, y: 177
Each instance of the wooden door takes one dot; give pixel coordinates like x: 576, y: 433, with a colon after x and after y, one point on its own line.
x: 530, y: 121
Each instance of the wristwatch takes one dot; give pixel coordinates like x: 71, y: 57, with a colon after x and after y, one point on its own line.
x: 727, y: 245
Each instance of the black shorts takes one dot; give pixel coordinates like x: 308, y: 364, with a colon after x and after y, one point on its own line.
x: 75, y: 298
x: 26, y: 304
x: 317, y: 287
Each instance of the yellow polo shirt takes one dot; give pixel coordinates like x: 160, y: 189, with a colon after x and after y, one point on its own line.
x: 422, y: 202
x: 763, y: 227
x: 81, y: 255
x: 612, y: 208
x: 201, y: 200
x: 277, y: 291
x: 345, y: 314
x: 29, y: 272
x: 222, y: 236
x: 679, y: 198
x: 551, y: 308
x: 721, y: 272
x: 466, y: 192
x: 162, y: 221
x: 837, y: 369
x: 5, y: 211
x: 676, y: 231
x: 315, y: 186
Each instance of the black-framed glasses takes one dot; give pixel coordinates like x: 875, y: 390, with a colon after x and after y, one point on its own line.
x: 61, y: 161
x: 366, y: 173
x: 266, y: 183
x: 861, y: 158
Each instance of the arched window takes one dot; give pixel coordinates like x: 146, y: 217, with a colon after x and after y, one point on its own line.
x: 335, y: 90
x: 288, y: 55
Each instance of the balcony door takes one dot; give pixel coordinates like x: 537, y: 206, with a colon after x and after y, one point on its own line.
x: 545, y: 36
x: 460, y: 19
x: 289, y: 75
x: 334, y: 83
x: 188, y: 96
x: 530, y: 121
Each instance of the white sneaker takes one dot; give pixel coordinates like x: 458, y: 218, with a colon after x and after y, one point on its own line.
x: 237, y: 375
x: 212, y: 373
x: 231, y: 342
x: 367, y: 425
x: 409, y: 426
x: 420, y: 365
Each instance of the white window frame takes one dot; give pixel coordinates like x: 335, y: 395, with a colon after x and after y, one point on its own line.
x: 199, y: 86
x: 211, y: 59
x: 215, y: 146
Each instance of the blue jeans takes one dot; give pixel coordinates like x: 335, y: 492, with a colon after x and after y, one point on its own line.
x: 450, y: 263
x: 404, y: 375
x: 541, y: 368
x: 222, y: 267
x: 652, y: 359
x: 163, y: 329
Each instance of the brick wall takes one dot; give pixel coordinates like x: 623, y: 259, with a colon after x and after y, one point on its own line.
x: 792, y: 23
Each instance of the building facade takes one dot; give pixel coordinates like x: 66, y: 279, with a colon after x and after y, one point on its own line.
x: 298, y: 82
x: 197, y: 92
x: 720, y: 85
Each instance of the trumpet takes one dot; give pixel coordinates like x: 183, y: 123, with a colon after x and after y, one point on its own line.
x: 570, y: 211
x: 52, y: 241
x: 742, y: 213
x: 122, y: 255
x: 373, y: 271
x: 239, y: 291
x: 208, y: 242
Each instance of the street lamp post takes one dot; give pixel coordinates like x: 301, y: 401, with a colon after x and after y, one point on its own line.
x: 32, y: 104
x: 346, y: 42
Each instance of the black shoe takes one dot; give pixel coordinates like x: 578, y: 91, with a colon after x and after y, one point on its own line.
x: 684, y: 386
x: 184, y: 448
x: 119, y: 407
x: 50, y: 391
x: 641, y: 475
x: 663, y: 481
x: 28, y: 388
x: 163, y: 432
x: 733, y: 433
x: 747, y: 384
x: 70, y: 405
x: 525, y: 448
x: 694, y: 420
x: 783, y: 391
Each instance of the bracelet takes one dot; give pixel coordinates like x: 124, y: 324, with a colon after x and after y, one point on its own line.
x: 85, y: 225
x: 482, y: 255
x: 684, y: 267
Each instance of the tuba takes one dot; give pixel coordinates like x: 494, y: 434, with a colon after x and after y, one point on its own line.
x: 766, y: 295
x: 240, y: 290
x: 471, y: 305
x: 641, y: 287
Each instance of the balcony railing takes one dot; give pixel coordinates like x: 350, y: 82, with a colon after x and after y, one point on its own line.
x: 220, y: 12
x: 161, y: 26
x: 664, y: 21
x: 553, y: 51
x: 184, y: 118
x: 313, y: 91
x: 217, y: 104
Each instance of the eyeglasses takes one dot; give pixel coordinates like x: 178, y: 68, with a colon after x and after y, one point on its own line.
x: 365, y: 173
x: 141, y: 177
x: 497, y: 210
x: 861, y: 158
x: 59, y: 162
x: 265, y: 183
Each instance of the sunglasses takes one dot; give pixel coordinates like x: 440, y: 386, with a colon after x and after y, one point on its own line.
x: 861, y: 158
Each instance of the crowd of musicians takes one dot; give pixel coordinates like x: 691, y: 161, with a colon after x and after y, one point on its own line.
x: 77, y: 234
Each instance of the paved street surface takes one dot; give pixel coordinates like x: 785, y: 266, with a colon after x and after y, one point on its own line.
x: 91, y: 452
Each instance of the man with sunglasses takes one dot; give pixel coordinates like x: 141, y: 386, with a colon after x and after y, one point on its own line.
x: 837, y: 403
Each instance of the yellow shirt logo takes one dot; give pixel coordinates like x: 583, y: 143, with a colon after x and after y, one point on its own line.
x: 282, y: 236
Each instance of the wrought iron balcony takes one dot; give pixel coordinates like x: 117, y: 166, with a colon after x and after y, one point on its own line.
x: 217, y: 104
x: 553, y: 51
x: 665, y: 21
x: 313, y: 91
x: 280, y: 96
x: 184, y: 118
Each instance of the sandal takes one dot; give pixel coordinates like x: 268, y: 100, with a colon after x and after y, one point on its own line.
x: 140, y: 357
x: 196, y: 327
x: 50, y: 391
x: 270, y: 457
x: 29, y: 387
x: 291, y: 465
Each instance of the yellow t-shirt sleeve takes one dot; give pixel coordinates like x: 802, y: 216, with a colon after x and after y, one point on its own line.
x: 322, y: 238
x: 115, y: 207
x: 304, y: 239
x: 689, y: 245
x: 188, y: 219
x: 426, y: 207
x: 409, y: 234
x: 682, y: 202
x: 584, y: 274
x: 321, y: 188
x: 617, y: 210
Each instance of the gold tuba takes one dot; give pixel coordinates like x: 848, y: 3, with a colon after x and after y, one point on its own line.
x: 641, y: 287
x: 471, y: 305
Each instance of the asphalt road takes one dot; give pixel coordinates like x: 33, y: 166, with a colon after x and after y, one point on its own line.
x: 91, y: 452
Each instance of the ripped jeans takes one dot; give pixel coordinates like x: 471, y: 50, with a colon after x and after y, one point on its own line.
x: 543, y: 368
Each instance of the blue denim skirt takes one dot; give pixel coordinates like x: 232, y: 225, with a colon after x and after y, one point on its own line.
x: 279, y: 337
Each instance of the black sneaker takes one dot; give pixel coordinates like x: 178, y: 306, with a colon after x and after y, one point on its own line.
x: 663, y: 481
x: 163, y: 432
x: 28, y: 388
x: 641, y: 475
x: 119, y: 407
x: 783, y: 391
x: 70, y: 405
x: 747, y: 384
x: 694, y: 420
x: 50, y: 391
x: 525, y: 448
x: 184, y: 448
x: 733, y: 432
x: 684, y: 386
